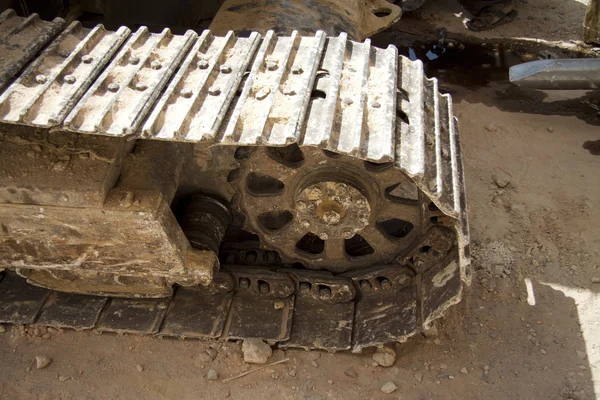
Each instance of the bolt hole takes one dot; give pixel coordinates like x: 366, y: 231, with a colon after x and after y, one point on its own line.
x: 290, y: 156
x: 243, y: 152
x: 263, y: 185
x: 311, y: 244
x: 435, y: 220
x: 425, y: 249
x: 382, y: 12
x: 357, y: 246
x: 432, y: 207
x: 403, y: 192
x: 318, y: 94
x: 275, y: 220
x: 233, y: 175
x: 396, y: 228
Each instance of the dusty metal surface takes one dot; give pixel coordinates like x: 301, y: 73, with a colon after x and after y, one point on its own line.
x: 20, y: 40
x: 358, y: 18
x: 302, y: 139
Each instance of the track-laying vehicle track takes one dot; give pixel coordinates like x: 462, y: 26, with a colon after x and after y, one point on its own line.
x: 305, y: 190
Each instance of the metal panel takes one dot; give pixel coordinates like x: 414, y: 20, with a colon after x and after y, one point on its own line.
x: 54, y: 82
x: 20, y: 302
x: 133, y: 315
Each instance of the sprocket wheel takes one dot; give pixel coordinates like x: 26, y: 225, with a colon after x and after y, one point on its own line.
x: 325, y: 210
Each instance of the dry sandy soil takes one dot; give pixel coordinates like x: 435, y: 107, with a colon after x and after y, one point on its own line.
x: 528, y: 327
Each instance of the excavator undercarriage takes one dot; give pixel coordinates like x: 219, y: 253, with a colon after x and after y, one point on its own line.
x: 302, y: 188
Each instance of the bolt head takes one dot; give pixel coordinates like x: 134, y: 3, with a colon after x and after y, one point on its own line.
x: 278, y: 304
x: 134, y: 60
x: 156, y: 65
x: 325, y: 292
x: 225, y: 69
x: 113, y: 87
x: 244, y: 283
x: 214, y: 91
x: 297, y: 70
x: 348, y: 234
x: 70, y: 79
x: 263, y: 288
x: 87, y: 59
x: 41, y: 79
x: 262, y: 93
x: 187, y: 93
x: 202, y: 64
x: 323, y: 235
x: 141, y: 86
x: 271, y: 65
x: 304, y: 223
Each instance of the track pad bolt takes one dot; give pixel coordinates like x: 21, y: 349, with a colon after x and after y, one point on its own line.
x: 141, y: 86
x: 202, y: 64
x: 225, y: 69
x: 41, y: 79
x: 70, y: 79
x: 325, y: 292
x: 305, y: 287
x: 214, y: 91
x: 365, y: 285
x: 348, y: 234
x: 87, y: 59
x: 187, y: 93
x: 113, y: 87
x: 262, y: 93
x: 323, y: 235
x: 278, y: 304
x: 263, y: 288
x: 155, y: 65
x: 134, y: 60
x: 385, y: 284
x: 297, y: 70
x: 244, y: 283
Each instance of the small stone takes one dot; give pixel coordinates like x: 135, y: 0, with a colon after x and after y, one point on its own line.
x: 543, y: 351
x: 501, y: 180
x: 139, y: 368
x: 212, y: 353
x: 464, y: 370
x: 292, y: 372
x: 330, y: 381
x: 389, y: 387
x: 437, y: 341
x: 87, y: 59
x: 212, y: 375
x: 384, y: 356
x: 581, y: 354
x: 63, y: 378
x: 84, y: 156
x: 595, y: 280
x: 550, y: 129
x: 314, y: 364
x: 491, y: 128
x: 432, y: 332
x: 256, y: 351
x: 42, y: 362
x: 2, y: 329
x: 350, y: 373
x: 419, y: 377
x: 28, y: 369
x: 113, y: 87
x: 451, y: 377
x: 271, y: 65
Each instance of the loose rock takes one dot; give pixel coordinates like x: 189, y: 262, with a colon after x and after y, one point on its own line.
x: 419, y: 377
x: 212, y: 375
x: 595, y: 280
x: 501, y: 179
x: 139, y: 368
x: 385, y: 356
x: 432, y: 332
x: 389, y: 387
x: 42, y: 362
x: 464, y: 370
x: 212, y: 353
x: 350, y: 373
x: 256, y: 351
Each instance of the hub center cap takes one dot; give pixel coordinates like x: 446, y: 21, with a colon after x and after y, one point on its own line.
x: 332, y: 209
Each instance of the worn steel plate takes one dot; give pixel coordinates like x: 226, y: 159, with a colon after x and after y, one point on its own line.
x: 76, y: 311
x: 133, y: 315
x: 20, y: 302
x: 196, y: 313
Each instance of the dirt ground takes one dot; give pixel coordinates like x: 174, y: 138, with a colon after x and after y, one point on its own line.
x: 528, y: 327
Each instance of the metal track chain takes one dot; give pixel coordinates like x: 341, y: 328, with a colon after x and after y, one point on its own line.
x: 330, y: 93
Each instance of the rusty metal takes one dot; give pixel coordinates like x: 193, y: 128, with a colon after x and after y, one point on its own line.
x: 302, y: 138
x: 358, y: 18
